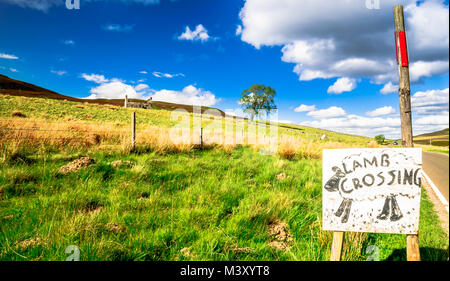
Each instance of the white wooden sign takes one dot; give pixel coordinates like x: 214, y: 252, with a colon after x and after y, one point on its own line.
x: 372, y: 190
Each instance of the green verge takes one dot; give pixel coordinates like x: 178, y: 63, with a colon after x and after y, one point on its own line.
x: 203, y: 205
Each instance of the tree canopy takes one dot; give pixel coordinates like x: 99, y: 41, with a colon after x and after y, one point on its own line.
x: 380, y: 139
x: 258, y: 98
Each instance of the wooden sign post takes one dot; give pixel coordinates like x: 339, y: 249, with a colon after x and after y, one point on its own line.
x: 370, y: 190
x: 377, y: 190
x: 404, y: 90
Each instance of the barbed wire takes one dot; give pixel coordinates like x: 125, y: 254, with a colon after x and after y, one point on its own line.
x: 49, y: 130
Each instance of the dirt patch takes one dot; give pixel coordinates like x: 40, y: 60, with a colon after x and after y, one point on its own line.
x: 281, y: 238
x: 438, y: 206
x: 122, y: 164
x: 76, y: 165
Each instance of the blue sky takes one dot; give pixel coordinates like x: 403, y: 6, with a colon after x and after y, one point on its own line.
x: 336, y: 59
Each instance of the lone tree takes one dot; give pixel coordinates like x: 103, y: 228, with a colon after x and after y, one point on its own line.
x: 256, y: 99
x: 380, y: 139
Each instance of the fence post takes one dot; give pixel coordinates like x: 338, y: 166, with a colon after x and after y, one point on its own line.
x: 201, y: 137
x: 133, y: 130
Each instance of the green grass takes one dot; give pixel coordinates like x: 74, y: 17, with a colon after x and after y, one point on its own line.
x: 439, y: 150
x: 209, y: 201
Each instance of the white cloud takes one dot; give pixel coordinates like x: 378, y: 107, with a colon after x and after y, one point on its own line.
x: 428, y: 30
x: 94, y: 78
x: 118, y: 27
x: 189, y: 95
x: 7, y: 56
x: 430, y: 113
x: 45, y: 5
x: 200, y: 33
x: 42, y: 5
x: 238, y: 30
x: 58, y: 72
x: 389, y: 88
x: 359, y: 125
x: 115, y: 90
x: 331, y: 112
x: 326, y: 39
x: 385, y: 110
x: 305, y: 108
x: 69, y: 42
x: 13, y: 70
x: 166, y: 75
x: 341, y: 85
x: 420, y: 69
x: 143, y: 72
x: 430, y: 102
x: 235, y: 112
x: 141, y: 87
x: 434, y: 120
x: 285, y: 121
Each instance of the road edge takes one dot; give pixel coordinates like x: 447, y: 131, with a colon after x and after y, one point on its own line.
x: 436, y: 191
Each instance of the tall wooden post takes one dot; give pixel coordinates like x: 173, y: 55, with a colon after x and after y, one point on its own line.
x: 133, y: 130
x: 404, y: 90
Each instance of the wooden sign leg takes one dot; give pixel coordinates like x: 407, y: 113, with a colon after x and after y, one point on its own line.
x: 336, y: 247
x: 412, y: 247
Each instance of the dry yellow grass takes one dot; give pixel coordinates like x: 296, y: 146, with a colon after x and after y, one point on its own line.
x: 70, y: 134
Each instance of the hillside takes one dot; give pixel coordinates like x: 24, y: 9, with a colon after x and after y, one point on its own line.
x: 441, y: 133
x: 9, y: 86
x: 438, y: 138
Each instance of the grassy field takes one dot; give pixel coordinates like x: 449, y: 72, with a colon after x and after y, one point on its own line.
x: 219, y: 202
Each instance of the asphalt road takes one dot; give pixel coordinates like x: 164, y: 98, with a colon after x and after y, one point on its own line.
x: 435, y: 166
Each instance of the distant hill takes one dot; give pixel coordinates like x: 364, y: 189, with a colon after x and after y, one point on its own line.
x: 438, y: 138
x: 444, y: 132
x: 9, y: 86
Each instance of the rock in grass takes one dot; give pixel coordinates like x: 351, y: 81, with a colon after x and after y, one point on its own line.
x: 122, y: 164
x: 76, y: 165
x: 281, y: 176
